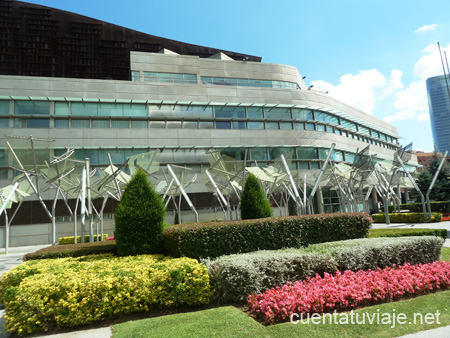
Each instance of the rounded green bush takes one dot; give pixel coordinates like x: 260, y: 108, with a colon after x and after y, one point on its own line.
x: 254, y: 203
x: 139, y: 218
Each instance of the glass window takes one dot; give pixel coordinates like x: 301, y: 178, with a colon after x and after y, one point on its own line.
x: 278, y: 113
x: 302, y: 114
x: 84, y: 109
x: 61, y: 123
x: 310, y: 126
x: 325, y: 117
x: 139, y: 124
x: 299, y: 125
x: 206, y: 125
x: 32, y: 108
x: 307, y: 153
x: 134, y: 109
x: 285, y: 125
x: 135, y: 75
x: 375, y: 133
x: 272, y: 125
x: 383, y: 137
x: 80, y: 124
x: 4, y: 123
x: 255, y: 125
x: 190, y: 124
x: 119, y: 124
x: 62, y: 108
x: 349, y: 157
x: 4, y: 107
x: 255, y: 112
x: 314, y: 165
x: 158, y: 124
x: 258, y: 154
x: 236, y: 153
x: 170, y: 77
x: 338, y: 155
x: 320, y: 127
x: 239, y: 125
x: 329, y: 129
x: 32, y: 123
x: 180, y: 111
x: 337, y: 131
x: 323, y: 153
x: 229, y: 112
x: 348, y: 124
x: 223, y: 125
x: 303, y: 165
x: 363, y: 130
x: 100, y: 123
x: 275, y: 153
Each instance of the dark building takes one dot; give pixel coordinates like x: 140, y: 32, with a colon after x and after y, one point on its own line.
x: 42, y: 41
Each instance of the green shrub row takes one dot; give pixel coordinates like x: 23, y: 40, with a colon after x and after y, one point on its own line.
x: 70, y: 239
x: 406, y: 217
x: 72, y: 250
x: 371, y: 253
x: 408, y: 232
x: 202, y: 240
x: 42, y: 294
x: 441, y: 207
x: 234, y: 277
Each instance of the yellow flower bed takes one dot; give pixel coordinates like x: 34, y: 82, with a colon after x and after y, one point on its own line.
x: 70, y: 239
x: 40, y: 294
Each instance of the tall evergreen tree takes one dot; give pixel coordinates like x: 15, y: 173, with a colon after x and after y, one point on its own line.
x: 139, y: 218
x: 441, y: 188
x: 254, y: 203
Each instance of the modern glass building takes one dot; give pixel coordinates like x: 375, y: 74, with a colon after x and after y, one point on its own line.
x: 439, y: 105
x: 101, y: 88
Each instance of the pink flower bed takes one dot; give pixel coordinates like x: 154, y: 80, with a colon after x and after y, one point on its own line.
x: 349, y: 290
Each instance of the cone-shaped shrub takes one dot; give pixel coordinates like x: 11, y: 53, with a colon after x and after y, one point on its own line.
x: 139, y: 218
x: 254, y: 203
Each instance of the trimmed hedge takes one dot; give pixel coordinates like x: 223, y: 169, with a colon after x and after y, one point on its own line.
x: 373, y: 253
x: 202, y: 240
x: 69, y: 240
x: 42, y: 294
x: 72, y: 250
x: 374, y: 233
x: 406, y: 217
x: 234, y: 277
x: 442, y: 207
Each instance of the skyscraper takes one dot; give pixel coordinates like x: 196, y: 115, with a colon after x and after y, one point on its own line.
x: 439, y: 105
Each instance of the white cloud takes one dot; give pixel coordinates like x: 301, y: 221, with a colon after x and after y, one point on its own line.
x: 362, y: 90
x: 430, y: 64
x: 423, y: 117
x: 426, y: 28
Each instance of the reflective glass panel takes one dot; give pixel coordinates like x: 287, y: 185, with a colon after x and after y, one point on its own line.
x: 32, y: 108
x: 272, y: 125
x: 61, y: 123
x: 4, y: 107
x: 4, y: 123
x: 299, y: 125
x: 239, y: 125
x: 135, y: 109
x: 320, y: 127
x: 223, y: 125
x: 158, y: 124
x: 119, y: 124
x: 206, y: 125
x: 84, y: 109
x: 100, y: 123
x: 310, y: 126
x: 190, y: 124
x: 285, y: 125
x: 229, y: 112
x: 255, y: 125
x: 278, y: 113
x: 80, y: 124
x: 307, y: 153
x: 302, y: 114
x: 139, y: 124
x: 255, y: 112
x: 62, y: 108
x: 275, y: 153
x: 258, y: 154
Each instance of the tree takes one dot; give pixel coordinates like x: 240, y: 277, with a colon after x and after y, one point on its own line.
x: 139, y: 218
x: 254, y: 203
x: 441, y: 188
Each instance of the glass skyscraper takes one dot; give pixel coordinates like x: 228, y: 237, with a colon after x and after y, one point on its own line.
x: 439, y: 105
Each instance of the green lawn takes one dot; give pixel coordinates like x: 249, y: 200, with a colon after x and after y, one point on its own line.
x: 445, y: 254
x: 231, y: 322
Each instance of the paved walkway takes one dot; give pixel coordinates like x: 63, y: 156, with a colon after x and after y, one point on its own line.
x: 15, y: 255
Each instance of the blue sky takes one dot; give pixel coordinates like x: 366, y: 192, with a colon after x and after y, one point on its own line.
x: 372, y: 54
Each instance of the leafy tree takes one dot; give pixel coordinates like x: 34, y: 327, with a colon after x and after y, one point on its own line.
x: 254, y: 203
x: 441, y: 188
x: 139, y: 218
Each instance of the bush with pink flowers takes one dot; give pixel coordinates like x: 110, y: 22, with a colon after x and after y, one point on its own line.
x: 348, y: 290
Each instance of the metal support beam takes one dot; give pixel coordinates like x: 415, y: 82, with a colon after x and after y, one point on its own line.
x: 436, y: 174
